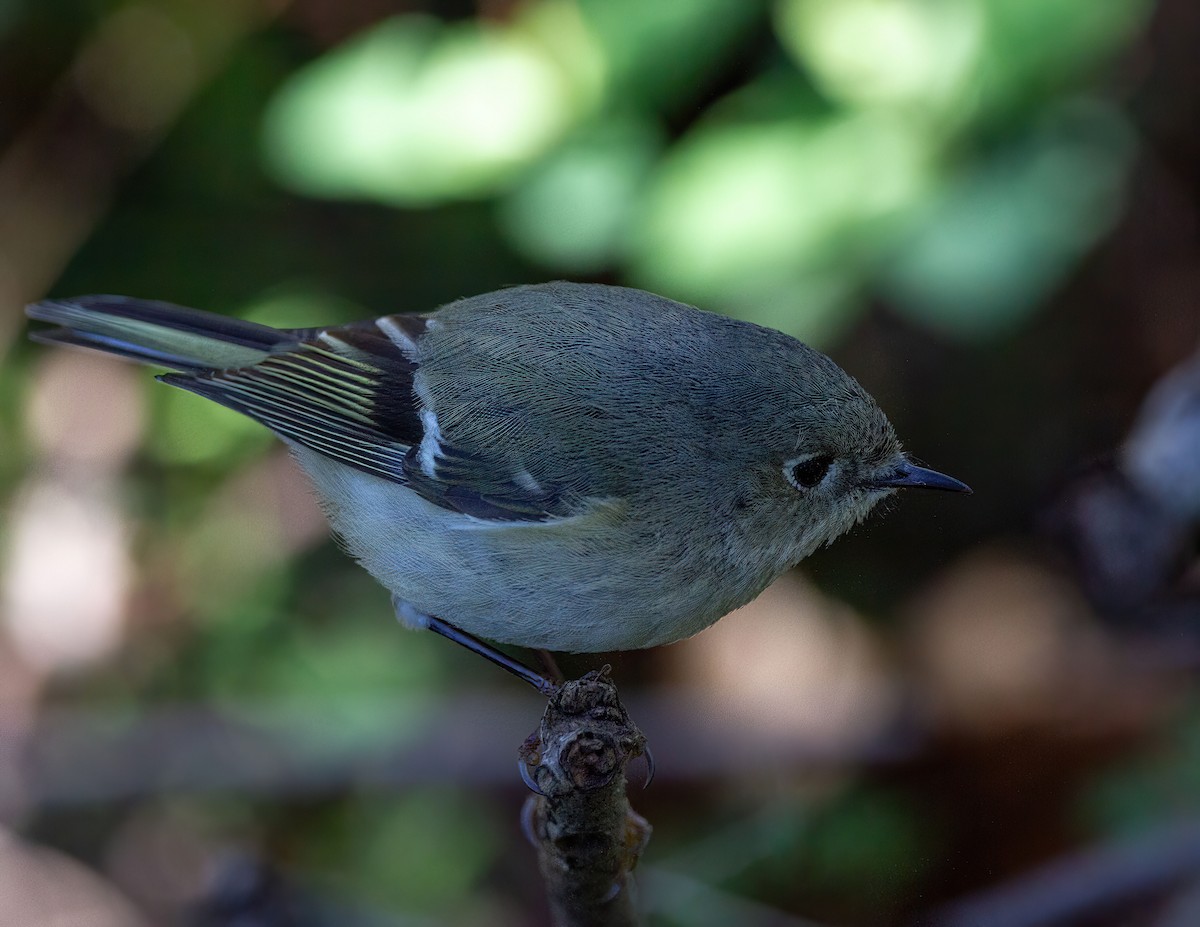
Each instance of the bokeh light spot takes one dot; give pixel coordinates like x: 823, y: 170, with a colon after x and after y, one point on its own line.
x: 885, y: 51
x: 66, y: 577
x: 741, y: 215
x: 416, y: 112
x: 983, y: 255
x: 573, y: 211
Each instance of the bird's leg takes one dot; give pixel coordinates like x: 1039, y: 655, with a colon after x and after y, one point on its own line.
x: 486, y: 650
x: 550, y: 666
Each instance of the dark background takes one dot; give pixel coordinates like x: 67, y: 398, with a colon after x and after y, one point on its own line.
x: 986, y: 210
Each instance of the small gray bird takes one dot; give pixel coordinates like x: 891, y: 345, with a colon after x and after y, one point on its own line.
x: 569, y: 467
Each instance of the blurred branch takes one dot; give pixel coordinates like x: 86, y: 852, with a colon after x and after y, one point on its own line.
x: 1093, y: 882
x: 1130, y: 523
x: 687, y: 900
x: 245, y: 890
x: 1184, y: 909
x: 286, y: 748
x: 588, y: 838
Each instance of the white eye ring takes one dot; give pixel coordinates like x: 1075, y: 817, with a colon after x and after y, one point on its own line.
x: 808, y: 471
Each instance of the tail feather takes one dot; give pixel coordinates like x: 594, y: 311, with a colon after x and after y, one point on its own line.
x: 156, y: 333
x: 122, y: 348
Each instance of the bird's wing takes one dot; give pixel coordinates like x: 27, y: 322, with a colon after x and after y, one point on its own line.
x: 476, y: 485
x: 349, y: 393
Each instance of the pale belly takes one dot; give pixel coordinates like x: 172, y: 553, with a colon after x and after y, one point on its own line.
x: 573, y: 584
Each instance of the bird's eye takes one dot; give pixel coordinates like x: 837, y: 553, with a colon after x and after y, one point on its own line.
x: 809, y: 471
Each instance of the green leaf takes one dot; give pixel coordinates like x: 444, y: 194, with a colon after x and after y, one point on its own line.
x: 573, y: 211
x: 658, y: 55
x: 920, y: 53
x: 776, y: 221
x: 983, y: 256
x: 416, y: 112
x: 426, y: 850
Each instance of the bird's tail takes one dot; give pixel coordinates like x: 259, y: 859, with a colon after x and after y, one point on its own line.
x: 156, y: 333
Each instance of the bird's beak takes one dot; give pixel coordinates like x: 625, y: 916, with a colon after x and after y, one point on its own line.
x: 909, y: 475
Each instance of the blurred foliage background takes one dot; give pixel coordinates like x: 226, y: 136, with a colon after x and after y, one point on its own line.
x: 984, y: 209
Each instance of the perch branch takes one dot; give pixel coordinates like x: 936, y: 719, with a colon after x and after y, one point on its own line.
x: 588, y: 838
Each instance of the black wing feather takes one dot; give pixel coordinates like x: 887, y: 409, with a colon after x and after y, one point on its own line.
x: 348, y: 393
x: 345, y: 392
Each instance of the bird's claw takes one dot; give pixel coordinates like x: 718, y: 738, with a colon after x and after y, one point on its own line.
x: 527, y: 777
x: 529, y: 821
x: 649, y: 767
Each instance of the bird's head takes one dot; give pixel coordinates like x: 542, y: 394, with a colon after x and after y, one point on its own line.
x: 830, y: 456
